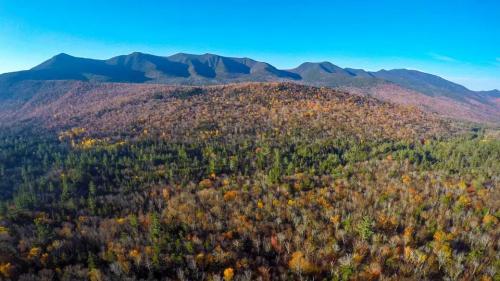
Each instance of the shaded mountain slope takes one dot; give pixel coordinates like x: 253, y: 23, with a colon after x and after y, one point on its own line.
x: 66, y: 67
x: 221, y: 68
x: 470, y: 109
x: 428, y: 84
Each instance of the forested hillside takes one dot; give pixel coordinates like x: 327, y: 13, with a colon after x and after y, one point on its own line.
x: 273, y: 181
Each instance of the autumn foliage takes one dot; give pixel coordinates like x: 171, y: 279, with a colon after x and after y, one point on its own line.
x: 245, y: 182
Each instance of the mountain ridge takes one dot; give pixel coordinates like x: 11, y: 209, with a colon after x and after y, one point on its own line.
x: 212, y: 61
x: 212, y: 69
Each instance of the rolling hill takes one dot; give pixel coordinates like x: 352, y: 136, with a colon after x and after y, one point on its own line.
x: 107, y: 109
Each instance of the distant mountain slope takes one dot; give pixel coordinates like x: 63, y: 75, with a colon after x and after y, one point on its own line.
x: 428, y: 84
x: 424, y: 90
x: 443, y: 105
x: 492, y: 96
x: 145, y: 68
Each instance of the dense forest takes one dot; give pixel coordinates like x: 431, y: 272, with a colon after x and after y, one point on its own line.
x: 245, y: 182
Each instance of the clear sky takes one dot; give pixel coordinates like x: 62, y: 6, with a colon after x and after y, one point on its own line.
x: 456, y: 39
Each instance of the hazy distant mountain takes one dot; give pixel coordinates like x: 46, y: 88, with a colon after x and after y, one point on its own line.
x: 427, y: 91
x: 425, y: 83
x: 491, y: 96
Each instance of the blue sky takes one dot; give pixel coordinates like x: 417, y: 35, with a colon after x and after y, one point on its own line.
x: 456, y: 39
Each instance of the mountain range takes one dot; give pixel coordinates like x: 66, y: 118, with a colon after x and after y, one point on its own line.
x: 409, y: 87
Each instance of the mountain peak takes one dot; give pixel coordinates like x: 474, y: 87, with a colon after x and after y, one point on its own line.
x: 57, y: 60
x: 62, y: 55
x: 211, y: 55
x: 324, y: 66
x: 137, y: 54
x: 313, y: 64
x: 320, y: 70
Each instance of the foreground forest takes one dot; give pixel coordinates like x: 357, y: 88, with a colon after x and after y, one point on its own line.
x: 271, y: 181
